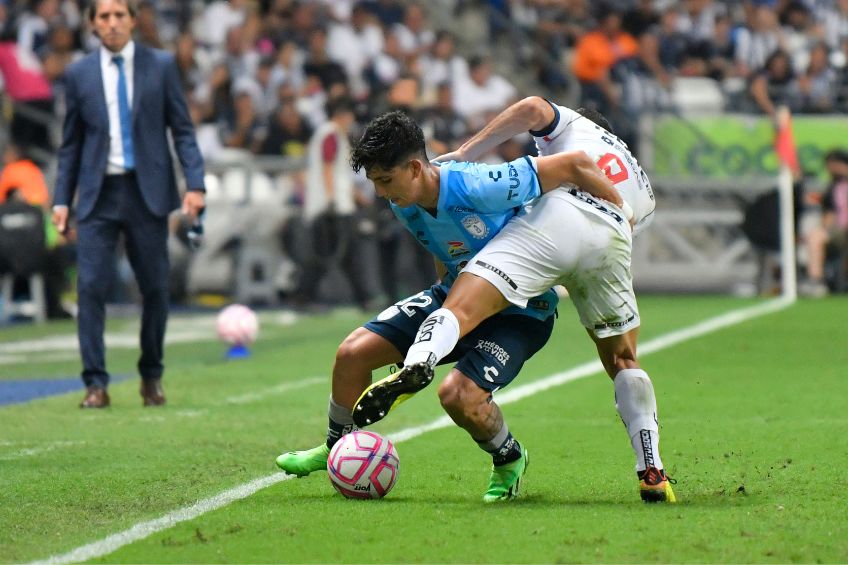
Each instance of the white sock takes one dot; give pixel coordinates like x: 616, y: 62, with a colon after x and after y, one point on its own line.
x: 637, y: 406
x: 436, y: 337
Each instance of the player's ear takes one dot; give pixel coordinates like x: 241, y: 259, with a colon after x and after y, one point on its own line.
x: 416, y: 166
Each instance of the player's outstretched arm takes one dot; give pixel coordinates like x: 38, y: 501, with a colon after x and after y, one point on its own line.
x: 533, y: 113
x: 577, y: 168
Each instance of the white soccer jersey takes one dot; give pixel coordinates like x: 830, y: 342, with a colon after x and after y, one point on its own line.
x: 571, y: 131
x: 572, y: 239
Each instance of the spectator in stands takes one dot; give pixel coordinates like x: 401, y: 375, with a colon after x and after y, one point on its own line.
x: 720, y: 64
x: 757, y: 40
x: 817, y: 86
x: 22, y: 181
x: 288, y: 67
x: 147, y: 26
x: 187, y: 53
x: 215, y: 95
x: 242, y: 59
x: 288, y: 134
x: 220, y: 16
x: 831, y: 237
x: 834, y: 18
x: 329, y: 207
x: 482, y: 92
x: 798, y: 33
x: 388, y: 65
x: 355, y: 45
x: 318, y: 63
x: 775, y: 84
x: 245, y: 131
x: 442, y: 65
x: 24, y: 176
x: 443, y: 126
x: 413, y: 34
x: 697, y: 20
x: 596, y: 54
x: 34, y: 26
x: 389, y: 12
x: 61, y: 50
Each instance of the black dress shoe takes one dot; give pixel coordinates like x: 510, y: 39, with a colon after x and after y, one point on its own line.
x: 152, y: 393
x: 95, y: 397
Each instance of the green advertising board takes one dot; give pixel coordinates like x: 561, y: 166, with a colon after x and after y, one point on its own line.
x: 735, y: 145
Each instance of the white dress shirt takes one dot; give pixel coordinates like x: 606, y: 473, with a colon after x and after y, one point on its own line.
x: 115, y: 161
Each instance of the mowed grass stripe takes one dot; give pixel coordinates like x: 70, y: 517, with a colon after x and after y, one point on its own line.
x: 142, y: 530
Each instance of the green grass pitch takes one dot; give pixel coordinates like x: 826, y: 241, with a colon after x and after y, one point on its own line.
x: 753, y: 423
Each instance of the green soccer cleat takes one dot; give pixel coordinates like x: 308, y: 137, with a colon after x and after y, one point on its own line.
x: 505, y: 480
x: 381, y: 397
x: 301, y: 463
x: 655, y: 486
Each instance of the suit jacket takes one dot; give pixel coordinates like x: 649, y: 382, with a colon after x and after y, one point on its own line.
x: 158, y: 104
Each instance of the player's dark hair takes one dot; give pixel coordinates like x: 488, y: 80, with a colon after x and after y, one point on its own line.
x: 387, y: 141
x: 596, y: 117
x: 132, y: 8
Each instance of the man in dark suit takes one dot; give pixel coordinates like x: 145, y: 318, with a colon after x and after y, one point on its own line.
x: 121, y: 100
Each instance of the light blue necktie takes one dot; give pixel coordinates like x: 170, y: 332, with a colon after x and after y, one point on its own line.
x: 125, y: 115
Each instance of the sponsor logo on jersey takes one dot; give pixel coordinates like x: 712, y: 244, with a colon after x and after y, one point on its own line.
x: 498, y: 352
x: 498, y: 272
x: 457, y: 249
x: 615, y: 324
x: 461, y: 209
x: 513, y: 182
x: 588, y: 199
x: 421, y: 236
x: 475, y: 225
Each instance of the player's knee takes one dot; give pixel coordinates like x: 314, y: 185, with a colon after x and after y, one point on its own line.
x: 451, y: 393
x: 349, y: 353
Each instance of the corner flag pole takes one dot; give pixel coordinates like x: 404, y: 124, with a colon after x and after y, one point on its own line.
x: 784, y: 146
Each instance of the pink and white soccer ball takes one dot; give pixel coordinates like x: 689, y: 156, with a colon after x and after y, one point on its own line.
x: 238, y: 325
x: 363, y: 465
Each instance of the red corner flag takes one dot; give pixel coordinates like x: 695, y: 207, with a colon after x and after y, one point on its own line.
x: 784, y: 142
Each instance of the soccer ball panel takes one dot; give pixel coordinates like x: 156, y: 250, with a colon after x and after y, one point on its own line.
x: 363, y: 465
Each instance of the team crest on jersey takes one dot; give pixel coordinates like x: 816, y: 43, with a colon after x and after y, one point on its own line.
x: 475, y: 225
x: 457, y: 249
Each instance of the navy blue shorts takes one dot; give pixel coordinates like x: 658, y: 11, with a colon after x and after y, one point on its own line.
x: 491, y: 355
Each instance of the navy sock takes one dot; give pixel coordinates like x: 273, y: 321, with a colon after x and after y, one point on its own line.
x: 507, y: 451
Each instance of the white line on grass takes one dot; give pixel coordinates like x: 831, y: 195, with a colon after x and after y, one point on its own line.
x: 277, y: 389
x: 144, y: 529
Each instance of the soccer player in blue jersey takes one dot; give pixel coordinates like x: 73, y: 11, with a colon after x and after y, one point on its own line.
x: 568, y: 238
x: 452, y: 209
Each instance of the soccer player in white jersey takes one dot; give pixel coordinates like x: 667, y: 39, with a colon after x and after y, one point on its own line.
x: 568, y: 237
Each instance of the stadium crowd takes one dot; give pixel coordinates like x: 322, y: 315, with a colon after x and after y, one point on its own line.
x: 258, y: 74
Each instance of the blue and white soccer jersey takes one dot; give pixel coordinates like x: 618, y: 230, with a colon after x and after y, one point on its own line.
x: 571, y: 131
x: 475, y: 202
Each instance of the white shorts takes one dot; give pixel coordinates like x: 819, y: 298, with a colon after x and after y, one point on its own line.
x: 569, y: 239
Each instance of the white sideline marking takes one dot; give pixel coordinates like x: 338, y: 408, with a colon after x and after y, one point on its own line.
x: 277, y: 389
x: 144, y: 529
